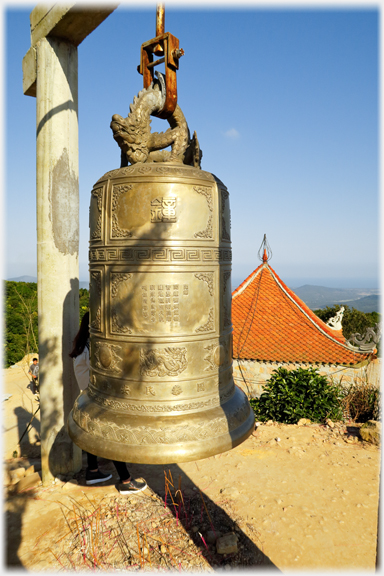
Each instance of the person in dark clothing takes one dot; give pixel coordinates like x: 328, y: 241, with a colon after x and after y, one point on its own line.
x: 34, y: 373
x: 81, y: 363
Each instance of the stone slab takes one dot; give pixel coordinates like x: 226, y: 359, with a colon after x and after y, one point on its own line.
x: 72, y: 22
x: 28, y: 482
x: 29, y: 72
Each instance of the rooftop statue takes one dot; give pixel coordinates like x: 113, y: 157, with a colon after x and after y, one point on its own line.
x: 335, y: 322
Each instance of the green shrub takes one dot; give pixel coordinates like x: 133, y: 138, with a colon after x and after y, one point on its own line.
x: 293, y: 394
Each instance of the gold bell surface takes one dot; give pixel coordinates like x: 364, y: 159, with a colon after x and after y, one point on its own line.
x: 161, y: 385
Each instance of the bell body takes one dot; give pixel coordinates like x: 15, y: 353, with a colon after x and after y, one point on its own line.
x: 161, y: 388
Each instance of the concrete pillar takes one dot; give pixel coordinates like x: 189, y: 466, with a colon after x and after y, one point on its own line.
x: 57, y: 248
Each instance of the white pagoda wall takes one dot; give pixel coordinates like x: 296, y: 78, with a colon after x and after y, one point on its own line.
x: 250, y: 375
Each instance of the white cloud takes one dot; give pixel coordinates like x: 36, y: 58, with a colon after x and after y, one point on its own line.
x: 232, y: 134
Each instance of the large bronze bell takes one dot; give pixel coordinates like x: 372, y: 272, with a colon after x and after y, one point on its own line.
x: 161, y: 387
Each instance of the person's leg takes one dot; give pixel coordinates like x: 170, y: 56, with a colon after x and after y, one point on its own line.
x: 127, y: 485
x: 93, y: 475
x: 92, y: 462
x: 122, y: 470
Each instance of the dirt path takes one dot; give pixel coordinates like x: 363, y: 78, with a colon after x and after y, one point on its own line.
x: 298, y: 497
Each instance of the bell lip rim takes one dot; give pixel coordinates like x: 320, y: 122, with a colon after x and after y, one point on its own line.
x: 223, y: 443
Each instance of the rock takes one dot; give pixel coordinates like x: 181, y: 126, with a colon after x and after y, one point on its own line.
x: 303, y: 422
x: 227, y: 544
x: 29, y: 471
x: 28, y: 482
x: 330, y: 423
x: 371, y: 432
x: 68, y: 485
x: 16, y: 474
x: 211, y: 536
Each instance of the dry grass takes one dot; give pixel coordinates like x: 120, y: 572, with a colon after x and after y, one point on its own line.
x: 142, y: 532
x: 361, y: 401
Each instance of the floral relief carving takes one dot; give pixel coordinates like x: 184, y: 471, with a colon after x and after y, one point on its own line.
x: 117, y: 191
x: 209, y: 325
x: 98, y: 194
x: 208, y: 278
x: 227, y: 316
x: 96, y: 280
x: 116, y: 279
x: 116, y: 327
x: 207, y: 233
x: 96, y: 323
x: 227, y: 321
x: 224, y: 232
x: 96, y: 276
x: 207, y: 192
x: 226, y: 277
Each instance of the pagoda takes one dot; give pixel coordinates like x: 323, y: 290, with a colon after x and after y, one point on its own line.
x: 273, y: 327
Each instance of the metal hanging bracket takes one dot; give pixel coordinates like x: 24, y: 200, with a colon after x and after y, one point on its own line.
x: 167, y: 44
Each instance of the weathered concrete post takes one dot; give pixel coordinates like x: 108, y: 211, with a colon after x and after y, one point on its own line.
x: 57, y: 185
x: 50, y: 74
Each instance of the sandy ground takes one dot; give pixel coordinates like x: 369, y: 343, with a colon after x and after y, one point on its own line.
x: 299, y: 497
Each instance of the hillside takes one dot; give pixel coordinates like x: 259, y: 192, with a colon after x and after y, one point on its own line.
x: 365, y: 304
x: 317, y: 297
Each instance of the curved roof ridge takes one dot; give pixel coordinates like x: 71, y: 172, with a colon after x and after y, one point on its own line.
x: 308, y: 312
x: 247, y: 281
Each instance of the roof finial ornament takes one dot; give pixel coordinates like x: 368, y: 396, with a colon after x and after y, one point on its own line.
x: 367, y: 342
x: 265, y: 252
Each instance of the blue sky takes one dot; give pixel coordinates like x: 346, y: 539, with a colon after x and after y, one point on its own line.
x: 285, y: 105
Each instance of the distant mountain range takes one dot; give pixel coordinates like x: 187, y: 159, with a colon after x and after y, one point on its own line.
x: 315, y: 297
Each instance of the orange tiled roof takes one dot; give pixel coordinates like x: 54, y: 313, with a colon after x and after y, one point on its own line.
x: 270, y: 323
